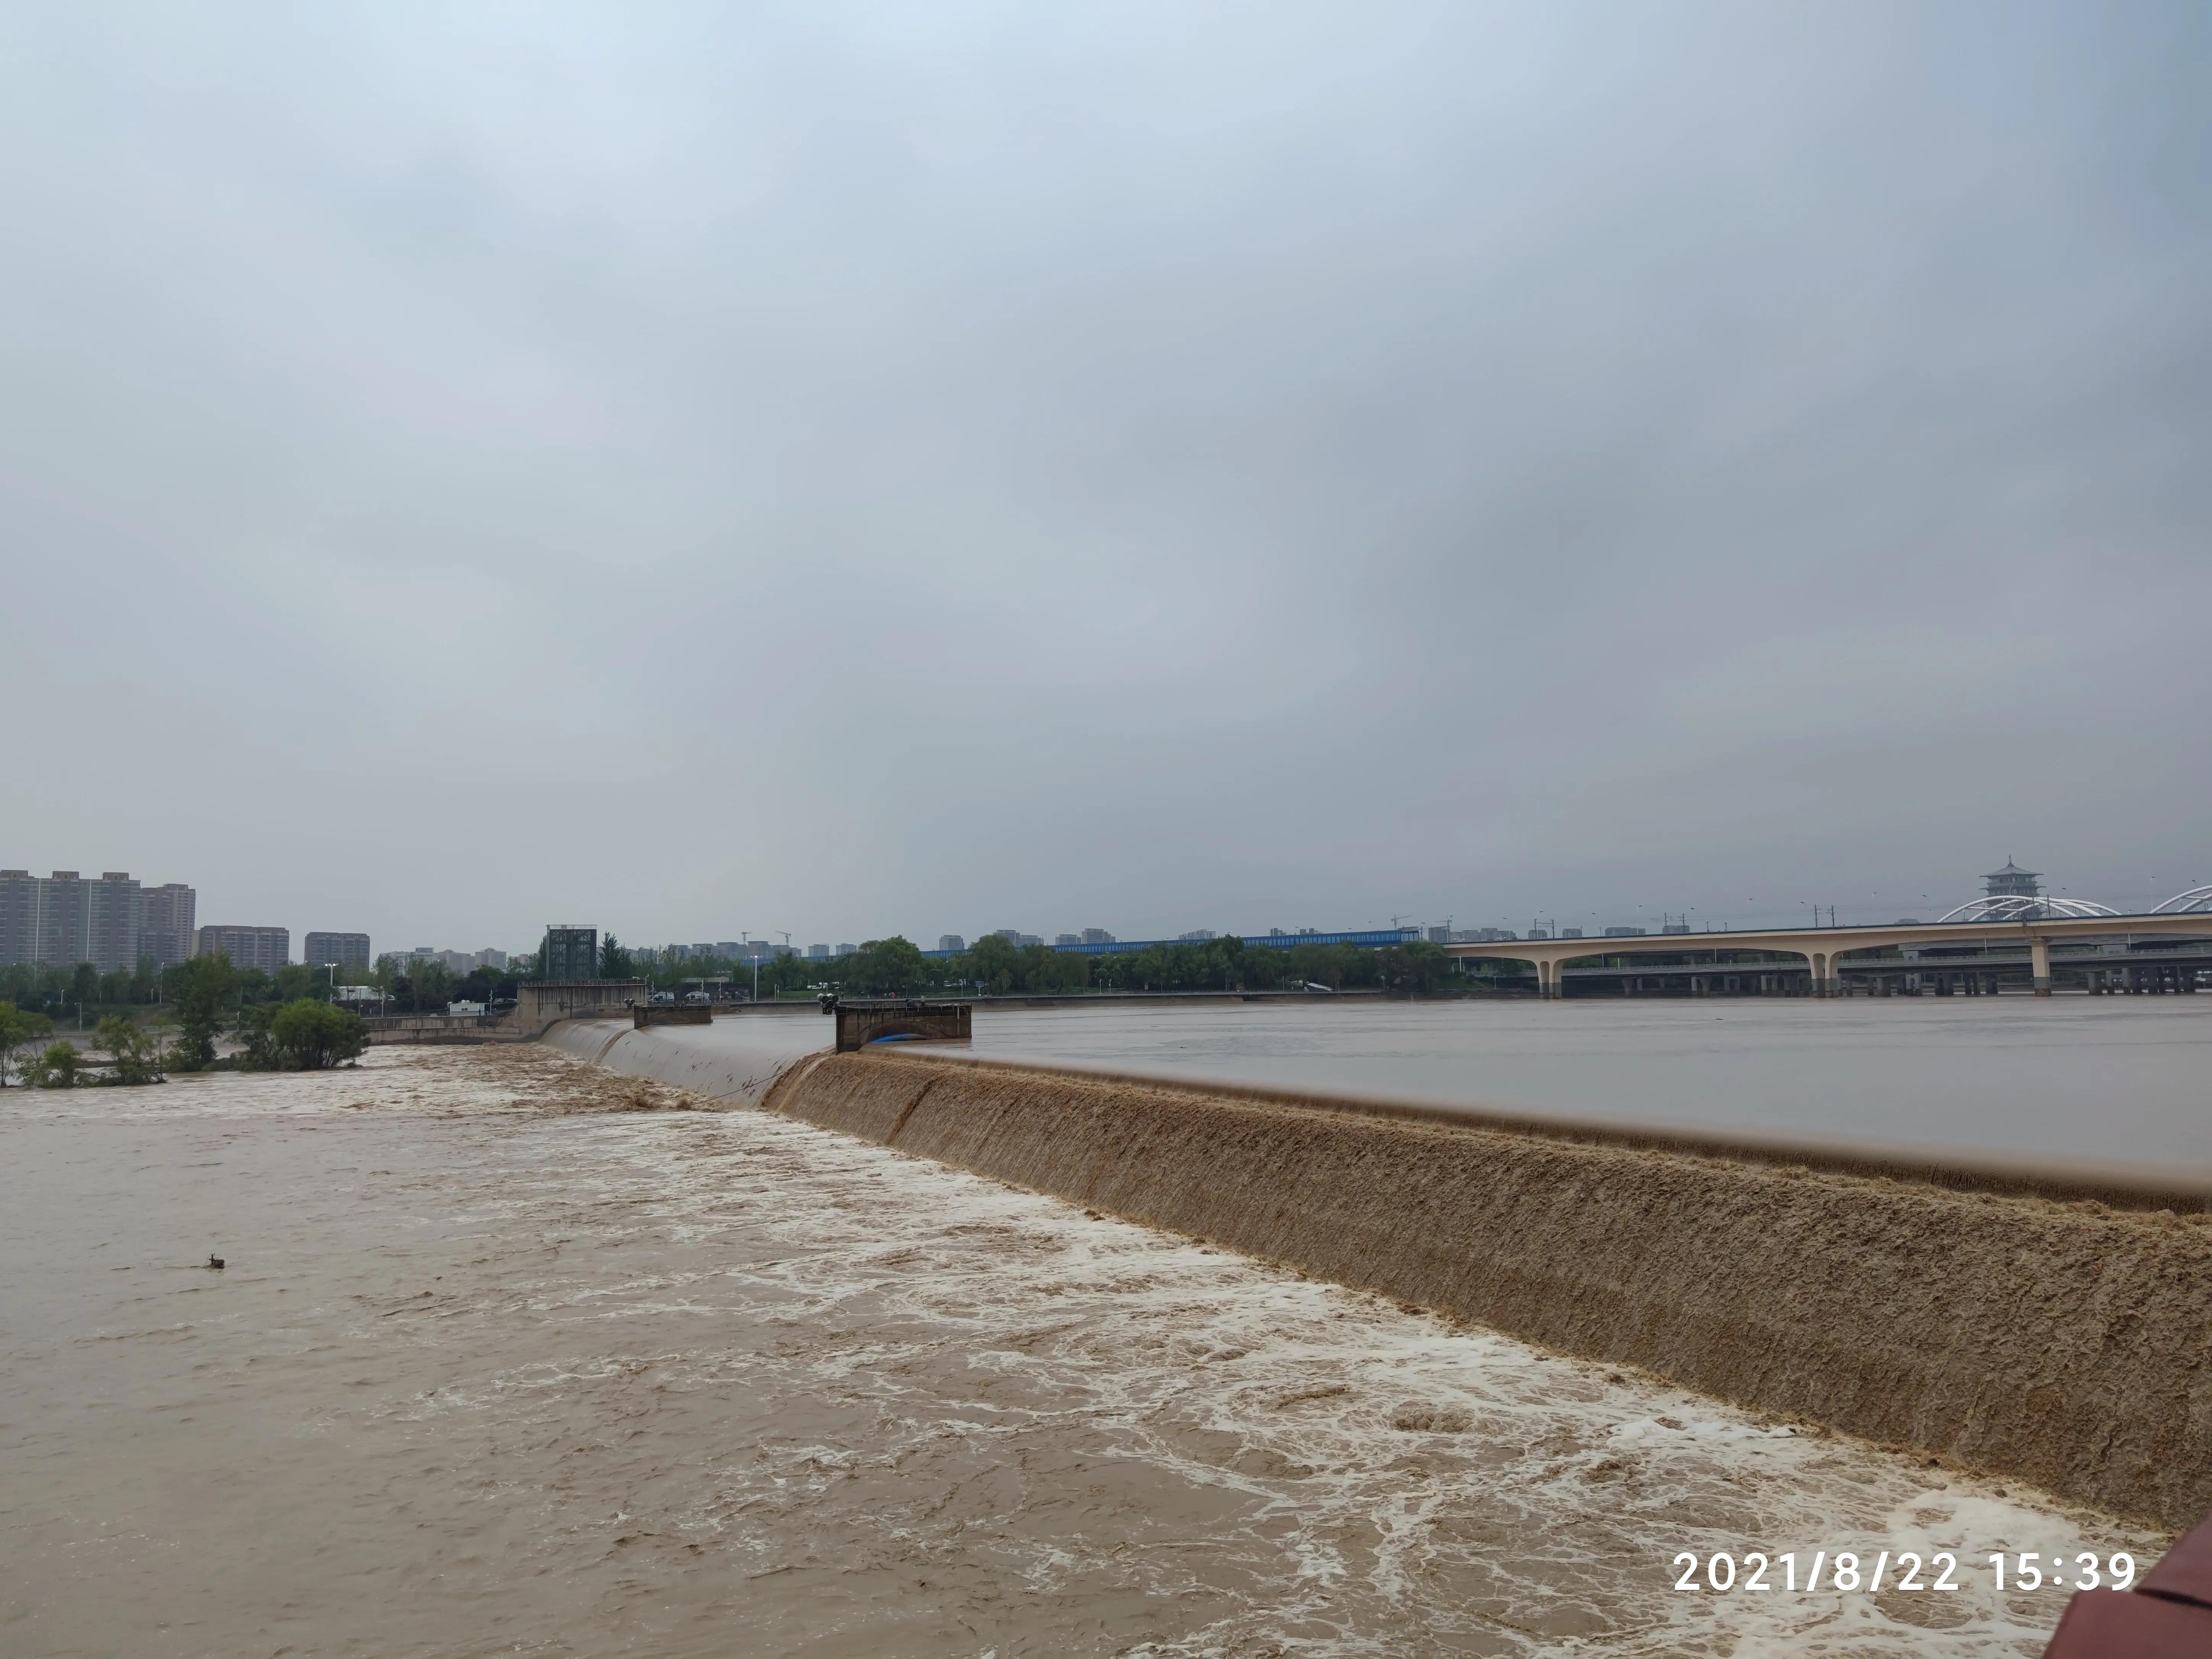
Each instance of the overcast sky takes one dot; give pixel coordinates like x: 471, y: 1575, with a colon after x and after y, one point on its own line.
x: 940, y: 467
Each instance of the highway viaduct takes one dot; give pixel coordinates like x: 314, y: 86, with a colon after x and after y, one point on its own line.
x: 1821, y: 946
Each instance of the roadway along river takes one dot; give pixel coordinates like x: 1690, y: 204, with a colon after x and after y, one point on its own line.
x: 508, y: 1356
x: 2126, y: 1079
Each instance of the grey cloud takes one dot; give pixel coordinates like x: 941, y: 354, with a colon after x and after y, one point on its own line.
x: 920, y: 468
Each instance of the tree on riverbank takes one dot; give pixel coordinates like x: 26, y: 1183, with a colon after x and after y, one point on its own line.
x: 56, y: 1068
x: 302, y: 1035
x: 19, y: 1027
x: 134, y: 1054
x: 202, y: 989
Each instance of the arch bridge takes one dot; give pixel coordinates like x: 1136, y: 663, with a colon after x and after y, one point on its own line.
x: 1821, y: 946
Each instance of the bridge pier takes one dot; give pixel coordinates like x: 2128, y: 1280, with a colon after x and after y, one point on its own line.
x: 2038, y: 956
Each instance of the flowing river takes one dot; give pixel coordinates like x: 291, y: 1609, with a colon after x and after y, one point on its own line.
x: 513, y: 1355
x: 2056, y: 1080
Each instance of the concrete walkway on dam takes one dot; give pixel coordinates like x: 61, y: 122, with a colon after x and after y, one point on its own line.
x: 2118, y: 1083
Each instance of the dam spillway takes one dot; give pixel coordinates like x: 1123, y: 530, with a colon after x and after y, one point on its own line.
x: 2048, y: 1329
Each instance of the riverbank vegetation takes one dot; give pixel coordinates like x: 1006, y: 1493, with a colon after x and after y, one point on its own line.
x: 200, y: 1004
x: 207, y: 999
x: 19, y: 1029
x: 84, y: 994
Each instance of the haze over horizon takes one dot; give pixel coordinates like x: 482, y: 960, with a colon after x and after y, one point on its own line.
x: 920, y: 470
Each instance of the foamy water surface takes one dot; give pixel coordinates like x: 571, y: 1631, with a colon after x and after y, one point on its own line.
x: 509, y: 1356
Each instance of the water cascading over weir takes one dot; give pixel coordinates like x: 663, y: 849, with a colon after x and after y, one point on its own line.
x: 2013, y: 1319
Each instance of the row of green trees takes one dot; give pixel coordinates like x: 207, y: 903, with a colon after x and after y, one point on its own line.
x: 426, y: 985
x: 80, y: 992
x: 84, y: 992
x: 67, y: 992
x: 895, y: 967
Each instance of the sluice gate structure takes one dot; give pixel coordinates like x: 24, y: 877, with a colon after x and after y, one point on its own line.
x: 539, y: 1006
x: 900, y: 1020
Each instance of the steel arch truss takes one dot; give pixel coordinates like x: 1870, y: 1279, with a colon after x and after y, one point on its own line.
x: 2030, y: 906
x: 2195, y: 900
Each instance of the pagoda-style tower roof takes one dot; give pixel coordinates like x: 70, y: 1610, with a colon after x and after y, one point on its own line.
x: 2012, y: 880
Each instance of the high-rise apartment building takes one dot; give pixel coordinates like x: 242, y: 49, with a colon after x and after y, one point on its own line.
x: 167, y: 919
x: 64, y: 934
x: 569, y: 953
x: 111, y: 921
x: 61, y: 919
x: 266, y: 949
x: 345, y: 950
x: 18, y: 917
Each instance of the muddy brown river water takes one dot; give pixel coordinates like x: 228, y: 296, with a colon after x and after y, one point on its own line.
x: 514, y: 1356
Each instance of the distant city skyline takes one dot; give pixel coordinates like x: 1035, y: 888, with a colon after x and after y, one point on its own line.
x: 162, y: 911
